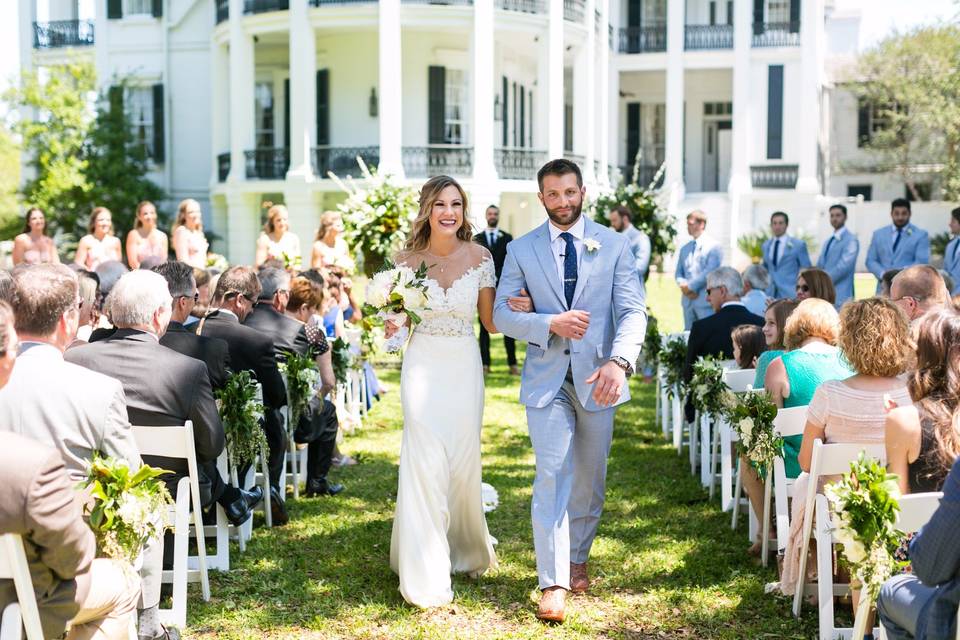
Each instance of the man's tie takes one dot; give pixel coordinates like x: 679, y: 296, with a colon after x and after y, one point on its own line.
x: 896, y: 241
x: 491, y: 238
x: 826, y: 250
x: 776, y: 251
x: 569, y: 268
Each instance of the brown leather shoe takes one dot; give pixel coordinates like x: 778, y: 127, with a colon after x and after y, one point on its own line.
x: 552, y: 603
x: 579, y: 581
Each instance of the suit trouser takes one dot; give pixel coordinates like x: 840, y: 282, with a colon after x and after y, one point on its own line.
x: 322, y: 438
x: 571, y: 446
x: 901, y: 601
x: 111, y: 600
x: 277, y: 444
x: 508, y: 343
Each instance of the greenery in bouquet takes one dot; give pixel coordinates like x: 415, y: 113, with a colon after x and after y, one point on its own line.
x: 291, y: 263
x: 395, y: 290
x: 376, y: 215
x: 751, y: 416
x: 302, y: 381
x: 241, y: 413
x: 127, y: 508
x: 710, y: 393
x: 865, y: 504
x: 342, y: 359
x: 217, y: 261
x: 673, y: 357
x: 651, y: 343
x: 752, y: 245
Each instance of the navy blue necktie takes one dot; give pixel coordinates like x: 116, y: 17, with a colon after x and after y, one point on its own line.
x: 776, y: 250
x: 896, y: 240
x: 569, y: 268
x: 826, y: 251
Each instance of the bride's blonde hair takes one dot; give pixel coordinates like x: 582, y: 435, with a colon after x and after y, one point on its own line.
x: 419, y: 237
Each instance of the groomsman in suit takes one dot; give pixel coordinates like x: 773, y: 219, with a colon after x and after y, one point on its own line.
x: 496, y: 242
x: 898, y: 246
x: 783, y: 257
x: 621, y: 220
x: 951, y: 258
x: 697, y: 258
x: 839, y: 255
x: 237, y: 291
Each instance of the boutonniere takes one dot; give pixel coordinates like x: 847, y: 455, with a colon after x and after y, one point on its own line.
x: 909, y: 231
x: 592, y: 245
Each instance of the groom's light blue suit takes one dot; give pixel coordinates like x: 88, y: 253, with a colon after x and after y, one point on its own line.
x: 570, y: 434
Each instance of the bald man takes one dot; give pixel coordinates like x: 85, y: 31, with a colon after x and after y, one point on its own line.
x: 918, y: 289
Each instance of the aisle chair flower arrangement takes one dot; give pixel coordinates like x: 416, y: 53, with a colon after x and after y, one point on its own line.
x: 127, y: 508
x: 710, y: 393
x: 751, y: 416
x: 302, y: 382
x: 241, y: 413
x: 397, y: 294
x: 343, y: 360
x: 673, y: 357
x: 652, y: 344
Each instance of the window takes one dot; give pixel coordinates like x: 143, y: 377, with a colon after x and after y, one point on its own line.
x: 871, y: 118
x: 138, y: 102
x: 654, y: 12
x: 137, y: 7
x: 778, y: 11
x: 865, y: 190
x: 455, y: 107
x: 264, y: 115
x: 924, y: 190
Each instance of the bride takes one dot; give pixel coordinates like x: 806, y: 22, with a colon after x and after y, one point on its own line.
x: 439, y: 527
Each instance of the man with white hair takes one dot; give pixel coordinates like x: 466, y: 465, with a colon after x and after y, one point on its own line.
x: 756, y: 279
x: 917, y: 290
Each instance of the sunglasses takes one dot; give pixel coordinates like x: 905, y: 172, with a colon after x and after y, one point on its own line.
x: 196, y: 297
x: 804, y: 288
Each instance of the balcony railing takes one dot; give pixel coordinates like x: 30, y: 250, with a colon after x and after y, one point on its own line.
x: 462, y: 3
x: 425, y: 162
x: 222, y: 11
x: 62, y: 33
x: 780, y: 176
x: 223, y: 166
x: 343, y: 160
x: 643, y: 39
x: 327, y: 3
x: 708, y: 36
x: 645, y: 175
x: 267, y: 164
x: 518, y: 164
x: 263, y: 6
x: 574, y: 10
x: 524, y: 6
x: 776, y: 34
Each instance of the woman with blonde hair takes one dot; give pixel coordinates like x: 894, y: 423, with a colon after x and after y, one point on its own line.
x: 277, y: 242
x: 329, y: 247
x: 189, y: 243
x: 815, y: 283
x: 34, y: 246
x: 99, y: 245
x: 145, y: 240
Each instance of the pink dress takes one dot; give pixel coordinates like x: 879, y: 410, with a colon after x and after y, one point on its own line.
x: 197, y: 246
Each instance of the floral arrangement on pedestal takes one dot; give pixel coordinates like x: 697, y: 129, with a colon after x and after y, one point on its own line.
x: 751, y: 416
x: 377, y: 215
x: 302, y: 381
x: 710, y: 393
x: 241, y: 411
x: 673, y: 357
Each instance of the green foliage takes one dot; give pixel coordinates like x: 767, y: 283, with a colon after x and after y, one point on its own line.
x: 342, y: 359
x: 710, y: 393
x: 241, y: 413
x: 751, y: 416
x: 938, y: 244
x: 127, y: 508
x: 11, y: 221
x: 302, y: 381
x: 651, y: 342
x: 752, y: 245
x: 673, y: 357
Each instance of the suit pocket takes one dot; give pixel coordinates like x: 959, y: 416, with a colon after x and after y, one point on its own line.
x: 534, y: 351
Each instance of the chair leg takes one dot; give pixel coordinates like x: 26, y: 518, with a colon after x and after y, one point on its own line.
x: 767, y: 488
x: 265, y: 472
x: 737, y: 492
x: 714, y: 458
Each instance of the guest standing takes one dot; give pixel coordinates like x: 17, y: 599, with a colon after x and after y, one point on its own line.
x: 783, y: 257
x: 951, y: 257
x: 622, y: 221
x: 189, y: 243
x: 496, y: 242
x: 815, y: 283
x: 145, y: 241
x: 756, y: 280
x: 697, y: 258
x: 329, y: 247
x: 277, y: 242
x: 898, y: 246
x: 99, y: 245
x: 839, y: 255
x: 34, y: 246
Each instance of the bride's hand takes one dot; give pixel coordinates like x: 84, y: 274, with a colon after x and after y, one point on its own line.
x: 522, y: 303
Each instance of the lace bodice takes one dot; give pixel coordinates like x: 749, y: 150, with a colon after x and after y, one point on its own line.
x: 451, y: 309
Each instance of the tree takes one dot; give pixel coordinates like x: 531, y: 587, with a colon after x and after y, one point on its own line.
x: 911, y: 82
x: 11, y: 222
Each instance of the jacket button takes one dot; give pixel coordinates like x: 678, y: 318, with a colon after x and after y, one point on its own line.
x: 566, y: 352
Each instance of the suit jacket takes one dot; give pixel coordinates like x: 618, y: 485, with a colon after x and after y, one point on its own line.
x: 935, y: 556
x: 286, y: 334
x: 951, y: 263
x: 711, y: 336
x: 913, y: 248
x: 39, y: 502
x: 607, y: 287
x: 67, y: 407
x: 640, y: 246
x: 249, y: 350
x: 213, y: 352
x: 839, y: 259
x: 498, y: 250
x: 693, y: 265
x: 793, y: 258
x: 163, y: 388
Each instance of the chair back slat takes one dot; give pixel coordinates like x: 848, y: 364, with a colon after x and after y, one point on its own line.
x: 790, y: 421
x: 169, y: 442
x: 835, y: 458
x: 916, y: 509
x: 739, y: 380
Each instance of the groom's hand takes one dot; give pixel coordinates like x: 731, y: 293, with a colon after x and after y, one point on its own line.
x: 609, y: 379
x: 571, y: 324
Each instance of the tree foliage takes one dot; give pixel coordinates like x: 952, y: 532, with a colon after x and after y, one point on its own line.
x: 11, y: 221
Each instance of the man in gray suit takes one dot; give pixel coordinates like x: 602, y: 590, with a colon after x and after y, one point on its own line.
x: 583, y: 338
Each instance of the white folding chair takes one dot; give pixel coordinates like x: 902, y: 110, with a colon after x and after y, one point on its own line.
x: 827, y: 460
x: 789, y: 422
x: 23, y: 614
x: 738, y: 381
x: 177, y: 442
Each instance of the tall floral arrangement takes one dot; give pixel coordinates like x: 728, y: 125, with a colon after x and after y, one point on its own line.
x: 377, y: 215
x: 241, y: 412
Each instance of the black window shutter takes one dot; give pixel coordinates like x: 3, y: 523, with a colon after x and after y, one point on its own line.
x: 159, y: 149
x: 775, y: 112
x: 634, y: 13
x: 323, y: 106
x: 713, y: 13
x: 157, y: 8
x: 114, y: 9
x: 286, y: 113
x: 115, y: 98
x: 730, y: 12
x: 505, y: 111
x: 794, y: 16
x: 633, y: 132
x: 436, y: 112
x: 758, y: 17
x: 863, y: 122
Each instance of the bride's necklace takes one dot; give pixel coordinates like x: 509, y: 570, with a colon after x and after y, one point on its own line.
x: 443, y: 260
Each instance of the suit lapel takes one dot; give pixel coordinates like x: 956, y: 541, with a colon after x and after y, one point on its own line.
x: 586, y: 264
x: 545, y: 255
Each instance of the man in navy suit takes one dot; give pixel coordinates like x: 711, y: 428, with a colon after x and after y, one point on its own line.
x: 899, y: 245
x: 496, y: 241
x: 839, y: 255
x: 783, y: 258
x: 951, y: 257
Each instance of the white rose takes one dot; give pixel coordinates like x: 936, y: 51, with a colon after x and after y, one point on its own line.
x: 746, y: 428
x: 379, y: 289
x: 412, y: 298
x: 854, y: 551
x: 403, y: 276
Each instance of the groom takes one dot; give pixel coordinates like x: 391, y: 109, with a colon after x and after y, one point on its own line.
x: 585, y: 334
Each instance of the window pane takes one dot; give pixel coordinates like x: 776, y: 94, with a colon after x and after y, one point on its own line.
x: 138, y: 104
x: 137, y: 7
x: 263, y: 99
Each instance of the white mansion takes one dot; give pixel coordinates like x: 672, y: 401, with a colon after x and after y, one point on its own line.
x: 245, y: 101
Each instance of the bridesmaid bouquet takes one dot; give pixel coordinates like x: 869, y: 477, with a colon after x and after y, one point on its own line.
x: 397, y: 295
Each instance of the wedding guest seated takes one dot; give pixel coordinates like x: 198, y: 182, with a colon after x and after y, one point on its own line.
x: 875, y: 340
x: 919, y: 289
x: 89, y: 283
x: 89, y: 598
x: 748, y: 345
x: 755, y: 283
x: 815, y: 283
x: 774, y: 322
x: 886, y: 280
x: 268, y: 318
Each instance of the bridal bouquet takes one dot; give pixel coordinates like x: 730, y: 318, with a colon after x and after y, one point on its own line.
x: 127, y: 508
x: 710, y: 392
x: 751, y: 416
x: 241, y: 411
x: 302, y: 381
x: 397, y: 295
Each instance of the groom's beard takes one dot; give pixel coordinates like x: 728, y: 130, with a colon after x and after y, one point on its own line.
x: 567, y: 218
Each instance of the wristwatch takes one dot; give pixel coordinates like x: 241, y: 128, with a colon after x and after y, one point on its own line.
x: 623, y: 364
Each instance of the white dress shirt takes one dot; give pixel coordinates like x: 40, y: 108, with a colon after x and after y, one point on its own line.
x: 560, y: 246
x: 492, y: 235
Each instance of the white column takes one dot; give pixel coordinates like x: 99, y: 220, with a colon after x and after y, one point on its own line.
x: 241, y: 95
x: 740, y: 152
x: 303, y: 92
x: 299, y: 199
x: 811, y: 39
x: 555, y: 53
x: 243, y: 227
x: 390, y: 93
x: 220, y: 105
x: 609, y: 85
x: 675, y: 102
x: 101, y: 54
x: 484, y: 171
x: 586, y: 85
x: 27, y: 15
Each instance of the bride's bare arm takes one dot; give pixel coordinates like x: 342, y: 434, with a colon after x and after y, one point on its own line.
x: 485, y: 307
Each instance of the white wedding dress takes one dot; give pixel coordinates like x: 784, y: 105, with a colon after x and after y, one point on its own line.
x: 439, y: 526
